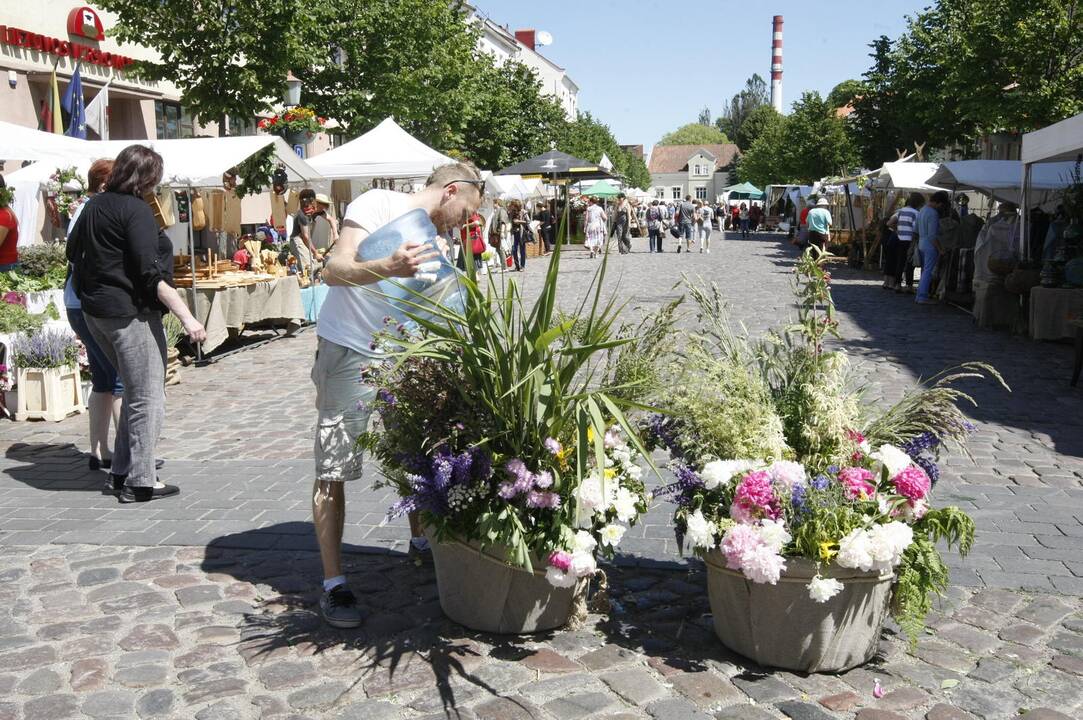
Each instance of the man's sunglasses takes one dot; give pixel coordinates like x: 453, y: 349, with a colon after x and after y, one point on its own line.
x: 479, y: 184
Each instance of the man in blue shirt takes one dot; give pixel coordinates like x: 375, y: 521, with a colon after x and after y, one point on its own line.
x: 928, y: 226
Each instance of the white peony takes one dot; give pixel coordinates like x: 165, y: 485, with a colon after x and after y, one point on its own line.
x: 761, y: 564
x: 719, y: 473
x: 774, y: 534
x: 634, y: 471
x: 854, y: 550
x: 787, y: 473
x: 864, y: 447
x: 894, y: 459
x: 559, y: 578
x: 701, y: 531
x: 622, y: 456
x: 612, y: 533
x: 888, y: 542
x: 583, y: 564
x: 584, y: 542
x: 625, y: 505
x: 822, y: 589
x: 590, y: 494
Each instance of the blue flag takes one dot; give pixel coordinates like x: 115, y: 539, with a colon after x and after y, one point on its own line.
x: 72, y: 102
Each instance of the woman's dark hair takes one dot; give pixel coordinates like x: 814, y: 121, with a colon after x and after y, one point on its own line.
x: 916, y: 200
x: 136, y: 171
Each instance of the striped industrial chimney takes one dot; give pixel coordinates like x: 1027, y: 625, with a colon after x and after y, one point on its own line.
x: 776, y: 63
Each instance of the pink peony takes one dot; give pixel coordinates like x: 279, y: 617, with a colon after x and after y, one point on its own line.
x: 738, y: 542
x: 560, y: 560
x: 856, y: 482
x: 755, y: 497
x: 912, y: 483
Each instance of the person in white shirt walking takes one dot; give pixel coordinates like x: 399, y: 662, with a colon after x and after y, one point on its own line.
x: 706, y: 216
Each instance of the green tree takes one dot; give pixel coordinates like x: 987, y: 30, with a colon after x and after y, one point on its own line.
x: 415, y: 60
x: 221, y: 54
x: 635, y: 171
x: 507, y: 118
x: 704, y: 116
x: 694, y: 134
x: 843, y: 94
x: 588, y: 139
x: 741, y: 105
x: 766, y: 160
x: 755, y: 124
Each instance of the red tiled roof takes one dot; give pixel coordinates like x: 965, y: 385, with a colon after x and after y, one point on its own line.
x: 674, y: 158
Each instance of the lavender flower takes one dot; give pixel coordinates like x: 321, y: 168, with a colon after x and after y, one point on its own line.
x: 437, y: 477
x: 687, y: 484
x: 923, y: 450
x: 46, y: 348
x: 552, y: 446
x: 799, y: 498
x: 543, y: 480
x: 821, y: 481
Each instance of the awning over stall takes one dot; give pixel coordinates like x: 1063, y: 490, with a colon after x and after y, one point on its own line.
x: 386, y: 151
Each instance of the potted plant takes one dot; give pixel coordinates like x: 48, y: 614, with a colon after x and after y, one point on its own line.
x: 501, y: 426
x: 813, y: 513
x: 47, y: 374
x: 298, y: 125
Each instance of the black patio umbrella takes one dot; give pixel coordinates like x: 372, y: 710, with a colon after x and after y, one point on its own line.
x: 558, y: 168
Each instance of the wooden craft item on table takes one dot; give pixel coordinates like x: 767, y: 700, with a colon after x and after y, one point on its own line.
x: 199, y: 215
x: 253, y: 248
x: 231, y: 214
x: 217, y: 206
x: 162, y: 207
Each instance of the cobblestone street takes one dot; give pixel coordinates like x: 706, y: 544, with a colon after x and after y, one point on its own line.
x: 203, y: 606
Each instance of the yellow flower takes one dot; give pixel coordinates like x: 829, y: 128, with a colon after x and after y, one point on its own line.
x: 590, y: 434
x: 826, y: 553
x: 610, y: 473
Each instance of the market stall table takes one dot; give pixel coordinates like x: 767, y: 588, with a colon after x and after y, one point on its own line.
x: 1052, y: 312
x: 228, y: 309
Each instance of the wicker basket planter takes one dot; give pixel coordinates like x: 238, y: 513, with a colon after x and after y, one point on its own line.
x: 49, y: 393
x: 780, y: 626
x: 480, y: 591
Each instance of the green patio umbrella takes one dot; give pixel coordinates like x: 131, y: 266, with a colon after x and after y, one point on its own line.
x: 602, y: 189
x: 744, y: 191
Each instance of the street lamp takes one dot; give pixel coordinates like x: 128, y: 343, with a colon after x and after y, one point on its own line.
x: 293, y: 90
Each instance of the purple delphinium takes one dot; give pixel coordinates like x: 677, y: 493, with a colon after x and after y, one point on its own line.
x: 687, y: 484
x: 821, y: 481
x: 436, y: 476
x: 799, y: 499
x: 923, y: 451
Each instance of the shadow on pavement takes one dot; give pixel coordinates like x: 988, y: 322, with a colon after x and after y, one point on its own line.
x: 47, y: 466
x: 406, y: 643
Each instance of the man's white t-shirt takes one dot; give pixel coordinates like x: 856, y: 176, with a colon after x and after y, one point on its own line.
x: 352, y: 315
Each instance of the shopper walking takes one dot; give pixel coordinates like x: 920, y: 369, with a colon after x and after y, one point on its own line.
x: 594, y: 227
x: 546, y: 218
x: 819, y: 225
x: 520, y: 233
x: 686, y: 218
x: 106, y: 388
x: 928, y: 228
x: 621, y: 227
x: 742, y: 216
x: 349, y: 320
x: 904, y: 225
x: 500, y: 232
x: 705, y: 218
x: 655, y: 226
x: 123, y: 273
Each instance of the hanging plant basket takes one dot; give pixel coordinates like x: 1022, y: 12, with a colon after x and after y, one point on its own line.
x: 480, y: 591
x: 781, y: 626
x: 298, y: 137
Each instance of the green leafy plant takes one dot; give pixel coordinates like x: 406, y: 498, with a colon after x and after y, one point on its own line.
x: 14, y: 318
x: 256, y: 172
x: 174, y: 329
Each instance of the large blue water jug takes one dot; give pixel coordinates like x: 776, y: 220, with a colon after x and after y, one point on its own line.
x: 439, y: 283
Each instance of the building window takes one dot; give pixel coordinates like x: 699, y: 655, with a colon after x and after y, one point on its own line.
x: 172, y: 121
x: 701, y: 193
x: 676, y: 189
x: 241, y: 126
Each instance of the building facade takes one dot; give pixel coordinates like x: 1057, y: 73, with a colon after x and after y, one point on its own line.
x: 701, y: 171
x: 521, y: 46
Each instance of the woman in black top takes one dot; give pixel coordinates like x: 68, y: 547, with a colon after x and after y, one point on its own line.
x: 123, y: 270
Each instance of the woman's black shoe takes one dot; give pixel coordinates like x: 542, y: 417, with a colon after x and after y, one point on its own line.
x: 96, y: 464
x: 114, y: 484
x: 146, y: 494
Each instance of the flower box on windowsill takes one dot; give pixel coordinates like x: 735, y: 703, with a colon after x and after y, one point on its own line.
x: 49, y: 393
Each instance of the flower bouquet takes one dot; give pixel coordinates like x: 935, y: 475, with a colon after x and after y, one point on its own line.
x: 814, y: 518
x: 500, y: 425
x: 66, y: 191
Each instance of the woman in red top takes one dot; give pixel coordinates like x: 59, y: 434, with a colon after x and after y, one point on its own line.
x: 471, y: 232
x: 9, y: 231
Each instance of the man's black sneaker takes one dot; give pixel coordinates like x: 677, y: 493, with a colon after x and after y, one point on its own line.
x: 338, y: 606
x: 146, y: 494
x: 114, y: 484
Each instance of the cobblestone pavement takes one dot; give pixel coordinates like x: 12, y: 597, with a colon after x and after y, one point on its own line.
x: 202, y: 606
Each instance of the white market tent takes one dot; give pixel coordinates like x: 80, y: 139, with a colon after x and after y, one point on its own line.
x: 513, y: 187
x: 904, y: 175
x: 22, y: 143
x: 1059, y: 142
x: 386, y: 151
x: 1002, y: 179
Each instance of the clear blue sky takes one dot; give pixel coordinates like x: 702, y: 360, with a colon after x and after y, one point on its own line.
x: 645, y: 67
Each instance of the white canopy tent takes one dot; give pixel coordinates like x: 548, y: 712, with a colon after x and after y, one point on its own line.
x: 1002, y: 179
x: 1059, y: 142
x: 386, y: 151
x: 513, y: 187
x: 903, y: 175
x: 22, y: 143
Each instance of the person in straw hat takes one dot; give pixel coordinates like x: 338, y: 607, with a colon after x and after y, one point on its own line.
x: 819, y: 224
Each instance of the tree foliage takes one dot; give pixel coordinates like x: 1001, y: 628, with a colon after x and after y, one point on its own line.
x: 741, y: 105
x: 219, y: 53
x: 806, y: 145
x: 704, y: 116
x: 843, y: 94
x: 694, y: 134
x: 755, y: 124
x: 589, y: 139
x: 965, y: 68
